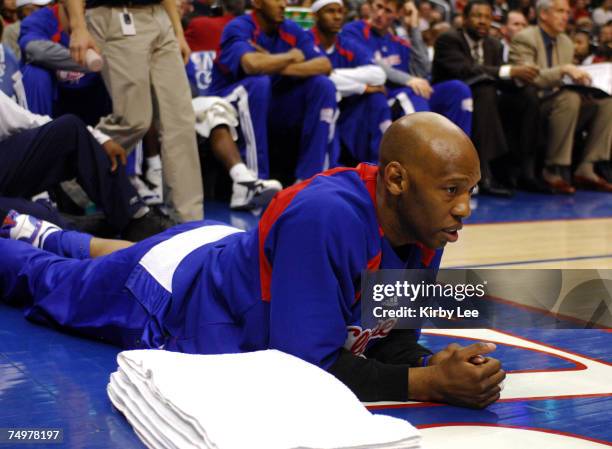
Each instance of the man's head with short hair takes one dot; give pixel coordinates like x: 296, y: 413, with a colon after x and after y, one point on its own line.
x: 553, y: 16
x: 582, y: 44
x: 477, y: 18
x: 514, y: 22
x: 383, y: 13
x: 272, y: 12
x: 427, y: 172
x: 329, y: 15
x: 234, y: 7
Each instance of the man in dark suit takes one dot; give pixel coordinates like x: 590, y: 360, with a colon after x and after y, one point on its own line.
x: 471, y: 55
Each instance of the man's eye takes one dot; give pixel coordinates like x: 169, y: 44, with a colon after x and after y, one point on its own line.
x: 452, y: 190
x: 472, y: 190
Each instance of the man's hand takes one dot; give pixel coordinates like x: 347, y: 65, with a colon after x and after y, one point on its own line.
x: 114, y: 151
x: 454, y: 378
x: 420, y: 86
x: 297, y: 55
x: 80, y: 41
x: 184, y: 47
x: 577, y: 75
x: 439, y: 357
x: 374, y: 89
x: 524, y: 73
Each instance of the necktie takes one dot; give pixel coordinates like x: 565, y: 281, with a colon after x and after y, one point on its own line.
x: 476, y: 54
x: 549, y: 50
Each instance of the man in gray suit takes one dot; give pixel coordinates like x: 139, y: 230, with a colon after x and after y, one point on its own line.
x: 547, y: 46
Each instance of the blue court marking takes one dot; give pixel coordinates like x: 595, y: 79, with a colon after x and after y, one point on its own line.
x: 534, y: 207
x: 521, y: 262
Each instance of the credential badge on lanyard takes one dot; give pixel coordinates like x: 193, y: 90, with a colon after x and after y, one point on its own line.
x: 128, y: 28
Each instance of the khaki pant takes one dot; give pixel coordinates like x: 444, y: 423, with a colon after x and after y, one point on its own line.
x: 140, y: 70
x: 562, y: 110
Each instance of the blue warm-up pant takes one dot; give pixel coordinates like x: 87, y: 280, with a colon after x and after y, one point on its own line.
x: 362, y: 122
x: 452, y: 99
x: 265, y: 106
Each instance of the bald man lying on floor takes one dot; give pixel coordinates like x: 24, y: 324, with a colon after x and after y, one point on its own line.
x: 290, y: 284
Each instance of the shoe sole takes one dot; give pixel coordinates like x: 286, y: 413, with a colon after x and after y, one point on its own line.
x: 260, y: 200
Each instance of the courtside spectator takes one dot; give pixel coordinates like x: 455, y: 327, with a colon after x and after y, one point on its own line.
x: 474, y: 57
x: 548, y: 47
x: 603, y: 14
x: 513, y: 23
x: 583, y: 54
x: 145, y: 51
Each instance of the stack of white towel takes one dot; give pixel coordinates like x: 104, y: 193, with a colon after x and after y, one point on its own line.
x: 264, y: 399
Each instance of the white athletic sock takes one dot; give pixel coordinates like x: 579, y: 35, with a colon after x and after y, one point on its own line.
x: 240, y: 173
x: 154, y: 163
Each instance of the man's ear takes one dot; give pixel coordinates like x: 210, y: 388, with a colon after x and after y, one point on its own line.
x: 256, y: 4
x: 396, y: 178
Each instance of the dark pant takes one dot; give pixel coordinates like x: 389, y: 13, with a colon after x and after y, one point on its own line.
x: 520, y: 114
x: 38, y: 159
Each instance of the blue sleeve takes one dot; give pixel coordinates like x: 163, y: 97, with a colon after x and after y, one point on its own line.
x: 10, y: 67
x: 363, y: 55
x: 234, y: 44
x: 406, y: 59
x: 305, y: 42
x: 353, y: 31
x: 316, y: 255
x: 40, y: 25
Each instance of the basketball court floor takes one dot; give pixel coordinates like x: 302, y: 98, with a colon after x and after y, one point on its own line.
x: 558, y: 393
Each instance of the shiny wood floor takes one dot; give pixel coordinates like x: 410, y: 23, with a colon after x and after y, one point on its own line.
x: 577, y: 243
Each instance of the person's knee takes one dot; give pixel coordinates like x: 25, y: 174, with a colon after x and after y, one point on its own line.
x: 604, y: 106
x: 259, y: 84
x: 530, y: 97
x: 485, y: 93
x: 322, y: 87
x: 568, y: 101
x: 459, y: 89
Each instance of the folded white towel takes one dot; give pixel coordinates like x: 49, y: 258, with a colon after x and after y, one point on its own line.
x: 211, y: 112
x: 264, y: 399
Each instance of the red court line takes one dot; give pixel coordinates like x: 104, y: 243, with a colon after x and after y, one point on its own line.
x: 499, y: 401
x: 536, y: 429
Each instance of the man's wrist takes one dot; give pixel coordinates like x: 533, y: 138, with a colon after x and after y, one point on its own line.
x: 420, y: 383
